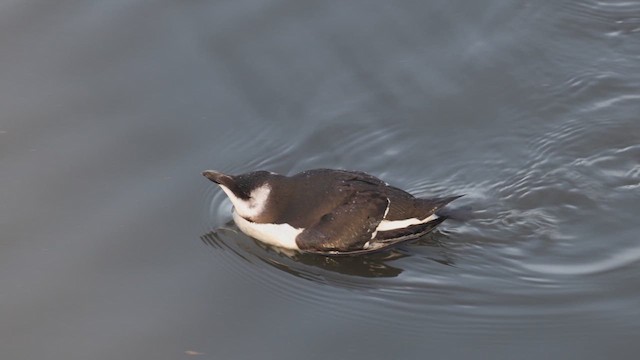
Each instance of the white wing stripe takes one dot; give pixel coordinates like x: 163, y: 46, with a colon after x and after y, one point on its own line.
x: 386, y: 225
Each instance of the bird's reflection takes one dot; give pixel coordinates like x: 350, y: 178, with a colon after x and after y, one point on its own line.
x: 373, y: 265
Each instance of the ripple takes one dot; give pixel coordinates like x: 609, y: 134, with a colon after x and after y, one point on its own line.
x: 341, y: 145
x: 337, y: 279
x: 448, y: 274
x: 612, y: 18
x: 440, y: 275
x: 598, y: 105
x: 287, y: 275
x: 613, y: 261
x: 215, y: 208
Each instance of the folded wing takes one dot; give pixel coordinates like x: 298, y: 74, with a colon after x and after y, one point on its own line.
x: 348, y: 227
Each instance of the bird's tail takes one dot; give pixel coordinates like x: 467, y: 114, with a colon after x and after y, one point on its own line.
x: 437, y: 205
x: 453, y: 213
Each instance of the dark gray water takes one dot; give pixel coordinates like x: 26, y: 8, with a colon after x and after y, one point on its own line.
x: 114, y: 246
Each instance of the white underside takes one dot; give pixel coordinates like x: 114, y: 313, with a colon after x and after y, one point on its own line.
x: 282, y: 235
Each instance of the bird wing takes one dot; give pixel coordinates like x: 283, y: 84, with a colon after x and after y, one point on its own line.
x: 348, y: 226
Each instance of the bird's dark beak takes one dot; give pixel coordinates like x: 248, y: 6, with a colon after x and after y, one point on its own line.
x: 225, y: 180
x: 218, y: 177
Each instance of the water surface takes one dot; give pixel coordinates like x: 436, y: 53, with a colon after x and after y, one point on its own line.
x: 114, y: 246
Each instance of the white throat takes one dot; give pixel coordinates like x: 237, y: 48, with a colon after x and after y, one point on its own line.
x: 252, y: 207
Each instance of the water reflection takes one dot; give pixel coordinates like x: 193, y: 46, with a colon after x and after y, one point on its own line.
x: 381, y: 264
x: 304, y: 265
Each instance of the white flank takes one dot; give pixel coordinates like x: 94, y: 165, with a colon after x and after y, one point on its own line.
x: 282, y: 235
x: 253, y: 206
x: 386, y: 225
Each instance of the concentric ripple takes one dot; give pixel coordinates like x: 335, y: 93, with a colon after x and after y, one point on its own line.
x: 521, y: 238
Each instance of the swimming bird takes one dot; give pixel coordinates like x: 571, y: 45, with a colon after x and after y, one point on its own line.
x: 327, y: 211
